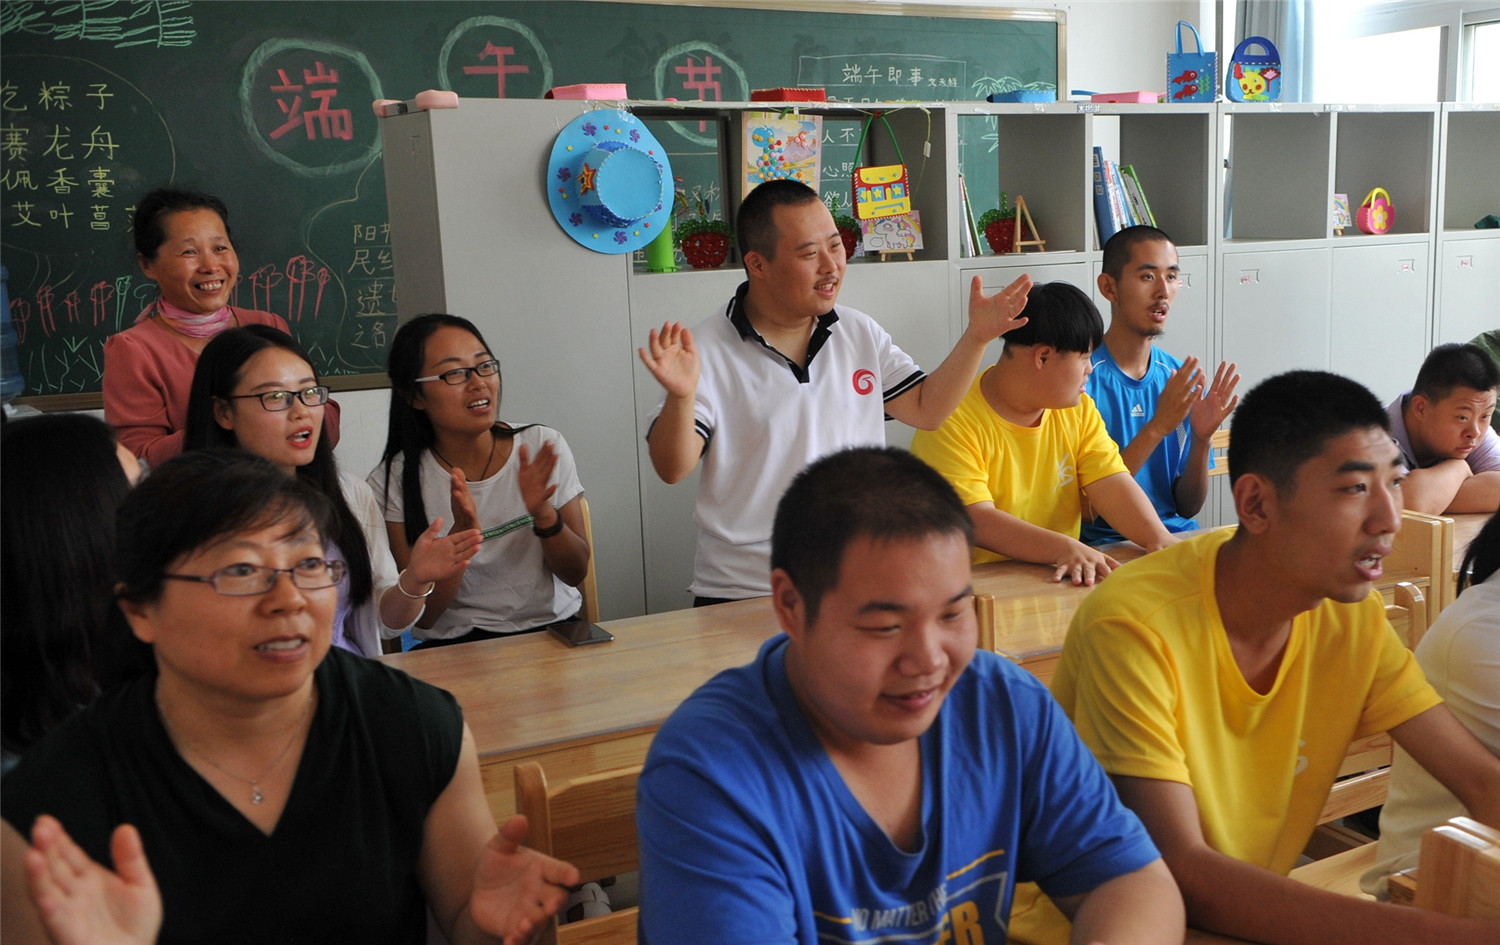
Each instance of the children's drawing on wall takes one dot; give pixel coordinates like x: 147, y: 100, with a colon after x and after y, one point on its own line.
x: 898, y: 234
x: 781, y: 147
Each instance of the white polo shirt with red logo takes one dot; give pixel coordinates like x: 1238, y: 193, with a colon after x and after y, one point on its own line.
x: 765, y: 419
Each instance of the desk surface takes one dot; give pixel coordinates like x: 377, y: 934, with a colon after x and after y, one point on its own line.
x: 534, y: 690
x: 1465, y: 527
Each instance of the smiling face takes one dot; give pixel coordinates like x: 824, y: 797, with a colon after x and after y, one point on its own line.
x: 195, y: 266
x: 1450, y: 428
x: 255, y: 647
x: 467, y: 408
x: 1332, y: 529
x: 1142, y: 296
x: 889, y: 641
x: 803, y: 278
x: 288, y: 438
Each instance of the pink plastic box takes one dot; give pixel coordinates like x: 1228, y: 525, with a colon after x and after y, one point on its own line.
x: 1146, y: 98
x: 609, y: 91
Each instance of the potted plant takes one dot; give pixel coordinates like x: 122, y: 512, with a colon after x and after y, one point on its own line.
x: 704, y: 242
x: 849, y: 232
x: 999, y: 227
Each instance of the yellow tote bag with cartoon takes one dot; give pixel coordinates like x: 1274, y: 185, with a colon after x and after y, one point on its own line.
x: 881, y: 190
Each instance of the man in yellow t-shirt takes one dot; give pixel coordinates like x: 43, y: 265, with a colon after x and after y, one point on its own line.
x: 1221, y: 682
x: 1026, y: 445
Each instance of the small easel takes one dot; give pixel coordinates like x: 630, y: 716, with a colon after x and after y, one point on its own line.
x: 1024, y: 213
x: 886, y: 255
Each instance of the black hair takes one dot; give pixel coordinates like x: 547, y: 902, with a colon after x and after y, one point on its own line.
x: 218, y: 372
x: 1119, y: 248
x: 190, y: 502
x: 1286, y: 420
x: 1483, y: 556
x: 878, y: 493
x: 63, y: 483
x: 755, y: 224
x: 409, y: 432
x: 1451, y: 366
x: 149, y: 230
x: 1059, y: 315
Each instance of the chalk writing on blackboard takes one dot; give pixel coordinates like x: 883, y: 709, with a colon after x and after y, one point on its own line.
x: 874, y: 77
x: 700, y: 71
x: 120, y: 23
x: 487, y: 50
x: 301, y: 103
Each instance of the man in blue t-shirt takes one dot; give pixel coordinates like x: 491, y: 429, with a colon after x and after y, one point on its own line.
x: 1154, y: 406
x: 869, y: 777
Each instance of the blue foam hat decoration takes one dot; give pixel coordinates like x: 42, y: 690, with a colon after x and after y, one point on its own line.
x: 609, y: 182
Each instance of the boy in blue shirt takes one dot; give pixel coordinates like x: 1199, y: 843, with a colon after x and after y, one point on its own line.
x: 1154, y: 406
x: 869, y: 777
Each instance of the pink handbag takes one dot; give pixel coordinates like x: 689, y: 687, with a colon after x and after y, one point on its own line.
x: 1376, y: 213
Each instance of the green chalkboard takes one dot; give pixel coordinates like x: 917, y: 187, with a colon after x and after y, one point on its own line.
x: 268, y: 105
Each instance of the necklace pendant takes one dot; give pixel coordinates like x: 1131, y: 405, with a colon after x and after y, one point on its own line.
x: 255, y: 796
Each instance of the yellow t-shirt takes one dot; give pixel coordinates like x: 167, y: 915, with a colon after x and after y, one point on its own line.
x: 1148, y: 678
x: 1034, y: 473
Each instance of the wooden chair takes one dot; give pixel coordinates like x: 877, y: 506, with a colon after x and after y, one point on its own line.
x: 1218, y: 447
x: 1422, y: 553
x: 590, y: 822
x: 590, y: 586
x: 1460, y: 869
x: 1365, y: 775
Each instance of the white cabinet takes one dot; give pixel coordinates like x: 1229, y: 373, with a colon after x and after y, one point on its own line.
x: 1468, y: 294
x: 1379, y: 307
x: 1275, y: 311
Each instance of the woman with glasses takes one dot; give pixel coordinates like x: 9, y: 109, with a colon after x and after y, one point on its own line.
x: 254, y: 785
x: 182, y: 243
x: 447, y: 451
x: 255, y: 389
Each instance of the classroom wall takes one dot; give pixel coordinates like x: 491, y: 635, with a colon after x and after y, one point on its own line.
x: 1113, y: 45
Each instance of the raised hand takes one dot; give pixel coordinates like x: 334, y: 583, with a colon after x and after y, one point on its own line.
x: 437, y: 557
x: 672, y: 359
x: 535, y: 478
x: 516, y: 889
x: 1178, y: 397
x: 81, y: 902
x: 991, y: 316
x: 461, y: 501
x: 1210, y: 411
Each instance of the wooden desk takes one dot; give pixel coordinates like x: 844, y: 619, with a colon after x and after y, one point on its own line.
x: 1031, y: 612
x: 583, y: 709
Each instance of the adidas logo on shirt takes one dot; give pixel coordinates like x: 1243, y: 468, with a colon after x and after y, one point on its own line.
x: 1136, y: 410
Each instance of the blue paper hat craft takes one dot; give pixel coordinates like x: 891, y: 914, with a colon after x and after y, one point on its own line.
x: 609, y: 182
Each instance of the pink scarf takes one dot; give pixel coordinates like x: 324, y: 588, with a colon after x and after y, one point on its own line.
x: 194, y: 326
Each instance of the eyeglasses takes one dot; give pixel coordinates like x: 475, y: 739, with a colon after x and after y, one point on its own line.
x: 460, y: 375
x: 247, y: 580
x: 279, y: 400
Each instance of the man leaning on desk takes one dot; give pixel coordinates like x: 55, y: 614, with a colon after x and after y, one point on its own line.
x: 870, y: 777
x: 1221, y: 681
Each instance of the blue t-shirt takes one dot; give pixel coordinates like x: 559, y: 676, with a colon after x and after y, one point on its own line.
x: 1126, y: 404
x: 749, y: 834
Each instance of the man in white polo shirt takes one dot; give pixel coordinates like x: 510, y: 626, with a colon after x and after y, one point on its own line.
x: 784, y: 375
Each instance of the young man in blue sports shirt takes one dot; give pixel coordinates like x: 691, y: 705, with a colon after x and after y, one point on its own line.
x: 869, y: 777
x: 1154, y: 406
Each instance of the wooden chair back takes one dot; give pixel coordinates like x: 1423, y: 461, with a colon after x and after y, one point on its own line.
x: 1218, y: 448
x: 1460, y: 869
x: 1422, y: 553
x: 590, y: 822
x: 590, y: 586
